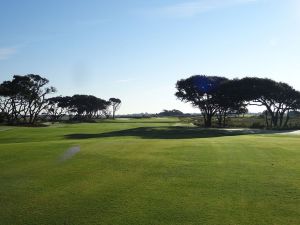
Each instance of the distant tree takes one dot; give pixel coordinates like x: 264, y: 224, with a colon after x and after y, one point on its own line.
x: 115, y: 104
x: 102, y: 107
x: 173, y: 112
x: 56, y: 108
x: 107, y: 112
x: 65, y: 104
x: 202, y: 92
x: 87, y: 106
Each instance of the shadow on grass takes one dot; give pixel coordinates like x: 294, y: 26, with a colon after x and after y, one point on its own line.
x: 169, y: 133
x: 136, y: 121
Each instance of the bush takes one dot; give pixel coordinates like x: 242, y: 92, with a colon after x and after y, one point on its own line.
x: 257, y: 125
x: 3, y: 117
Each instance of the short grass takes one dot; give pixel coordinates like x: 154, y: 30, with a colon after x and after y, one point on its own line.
x: 147, y: 172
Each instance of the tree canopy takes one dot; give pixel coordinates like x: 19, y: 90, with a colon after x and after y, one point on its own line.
x: 24, y: 99
x: 204, y: 93
x: 277, y: 97
x: 218, y: 96
x: 116, y: 104
x: 173, y: 112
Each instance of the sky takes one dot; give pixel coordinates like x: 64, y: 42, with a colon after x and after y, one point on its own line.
x: 136, y: 50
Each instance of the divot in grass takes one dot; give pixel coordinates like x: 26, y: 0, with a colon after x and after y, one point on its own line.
x: 69, y: 153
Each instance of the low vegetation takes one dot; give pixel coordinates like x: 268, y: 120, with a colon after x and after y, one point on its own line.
x: 256, y: 121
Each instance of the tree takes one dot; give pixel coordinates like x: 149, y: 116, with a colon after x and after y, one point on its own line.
x: 36, y: 98
x: 202, y: 92
x: 107, y: 112
x: 24, y: 97
x: 289, y: 100
x: 229, y: 102
x: 173, y: 112
x: 78, y: 107
x: 278, y: 98
x: 55, y: 108
x: 6, y: 107
x: 14, y: 98
x: 115, y: 104
x: 87, y: 106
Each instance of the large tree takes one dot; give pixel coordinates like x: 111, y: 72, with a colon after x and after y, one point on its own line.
x: 202, y: 92
x: 36, y: 98
x: 278, y: 98
x: 230, y: 103
x: 24, y: 97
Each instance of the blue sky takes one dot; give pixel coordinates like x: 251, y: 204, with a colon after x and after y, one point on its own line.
x: 137, y: 49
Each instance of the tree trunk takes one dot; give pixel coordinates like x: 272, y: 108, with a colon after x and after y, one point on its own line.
x: 267, y: 120
x: 224, y: 119
x: 220, y: 119
x: 281, y: 119
x: 287, y: 119
x: 207, y: 121
x: 113, y: 114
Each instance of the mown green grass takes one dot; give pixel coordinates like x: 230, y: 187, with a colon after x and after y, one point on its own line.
x: 147, y: 172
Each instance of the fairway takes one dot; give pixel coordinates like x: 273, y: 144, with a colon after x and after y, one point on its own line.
x: 147, y: 172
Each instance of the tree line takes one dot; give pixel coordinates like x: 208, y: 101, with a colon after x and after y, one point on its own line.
x: 24, y: 99
x: 219, y: 97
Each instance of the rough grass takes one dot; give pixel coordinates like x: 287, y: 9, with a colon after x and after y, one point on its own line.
x: 147, y: 172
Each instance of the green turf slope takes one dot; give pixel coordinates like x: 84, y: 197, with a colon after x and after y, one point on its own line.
x: 147, y: 172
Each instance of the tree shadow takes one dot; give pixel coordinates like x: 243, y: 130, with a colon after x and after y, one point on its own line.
x: 169, y: 132
x: 136, y: 121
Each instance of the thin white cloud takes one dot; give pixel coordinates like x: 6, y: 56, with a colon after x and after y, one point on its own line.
x: 193, y: 8
x: 6, y: 53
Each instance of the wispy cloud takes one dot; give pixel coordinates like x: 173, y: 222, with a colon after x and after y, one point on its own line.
x: 193, y: 8
x: 6, y: 53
